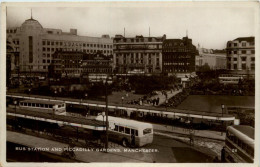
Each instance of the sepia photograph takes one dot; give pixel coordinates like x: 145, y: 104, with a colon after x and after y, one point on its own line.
x: 129, y: 82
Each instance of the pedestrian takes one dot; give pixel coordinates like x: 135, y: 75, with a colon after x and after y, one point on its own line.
x: 157, y: 101
x: 223, y: 154
x: 191, y: 139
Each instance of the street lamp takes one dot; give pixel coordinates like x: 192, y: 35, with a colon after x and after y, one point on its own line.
x: 103, y: 115
x: 15, y: 103
x: 55, y: 93
x: 222, y: 107
x: 122, y: 100
x: 106, y: 84
x: 29, y: 92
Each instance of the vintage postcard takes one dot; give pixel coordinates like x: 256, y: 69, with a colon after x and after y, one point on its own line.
x: 144, y: 83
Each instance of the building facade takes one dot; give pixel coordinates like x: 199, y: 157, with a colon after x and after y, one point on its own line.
x: 178, y: 57
x: 214, y: 60
x: 36, y: 45
x: 137, y: 55
x: 80, y: 64
x: 241, y: 54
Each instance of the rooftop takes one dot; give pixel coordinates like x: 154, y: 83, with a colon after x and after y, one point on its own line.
x: 248, y: 39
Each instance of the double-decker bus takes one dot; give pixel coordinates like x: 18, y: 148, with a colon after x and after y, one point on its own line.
x: 239, y: 144
x: 128, y: 132
x: 56, y: 107
x: 230, y: 78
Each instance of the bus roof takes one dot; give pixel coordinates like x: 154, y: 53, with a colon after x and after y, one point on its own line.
x: 127, y: 122
x: 247, y: 130
x: 42, y: 101
x: 244, y: 133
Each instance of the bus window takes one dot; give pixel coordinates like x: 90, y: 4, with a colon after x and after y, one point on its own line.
x: 121, y: 129
x: 59, y: 106
x: 116, y: 128
x: 41, y: 105
x: 37, y: 105
x: 50, y: 106
x: 33, y: 104
x: 127, y: 130
x: 136, y: 132
x: 29, y: 104
x: 147, y: 131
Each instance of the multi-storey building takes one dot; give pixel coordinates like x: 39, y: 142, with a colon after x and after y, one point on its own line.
x: 80, y: 64
x: 138, y: 54
x: 36, y: 45
x: 178, y: 57
x: 214, y: 60
x: 241, y: 54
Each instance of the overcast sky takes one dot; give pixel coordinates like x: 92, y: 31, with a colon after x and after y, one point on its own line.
x: 212, y: 27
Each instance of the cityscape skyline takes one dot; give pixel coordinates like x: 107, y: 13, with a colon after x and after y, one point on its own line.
x: 137, y: 21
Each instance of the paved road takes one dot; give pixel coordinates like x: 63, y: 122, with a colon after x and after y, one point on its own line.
x: 169, y: 150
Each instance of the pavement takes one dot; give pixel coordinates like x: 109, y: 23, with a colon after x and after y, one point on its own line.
x: 84, y: 155
x: 183, y: 131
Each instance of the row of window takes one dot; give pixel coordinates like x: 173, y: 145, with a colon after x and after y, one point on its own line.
x: 48, y: 43
x: 76, y: 50
x: 243, y: 66
x: 126, y: 130
x: 180, y: 64
x: 242, y: 52
x: 243, y: 44
x: 176, y: 70
x: 242, y: 58
x: 11, y: 31
x: 95, y: 70
x: 36, y: 105
x: 132, y: 55
x: 137, y: 40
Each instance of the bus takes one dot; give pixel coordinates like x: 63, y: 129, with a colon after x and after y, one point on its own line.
x: 128, y: 132
x: 230, y: 78
x: 58, y: 107
x: 239, y: 144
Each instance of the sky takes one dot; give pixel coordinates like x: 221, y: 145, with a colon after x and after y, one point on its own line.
x: 210, y: 26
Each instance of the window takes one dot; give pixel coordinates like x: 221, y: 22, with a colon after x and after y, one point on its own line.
x: 235, y: 66
x: 235, y: 44
x: 121, y: 129
x: 235, y: 52
x: 116, y: 128
x: 243, y: 44
x: 127, y: 130
x: 243, y: 51
x: 243, y: 66
x: 147, y: 131
x: 252, y: 51
x: 234, y: 59
x: 43, y: 42
x: 252, y: 59
x: 43, y: 61
x: 243, y: 58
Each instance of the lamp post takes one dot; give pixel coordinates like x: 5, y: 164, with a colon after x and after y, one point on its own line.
x: 106, y: 146
x: 103, y: 115
x: 222, y: 108
x: 29, y: 92
x: 15, y: 103
x: 55, y: 93
x: 122, y: 100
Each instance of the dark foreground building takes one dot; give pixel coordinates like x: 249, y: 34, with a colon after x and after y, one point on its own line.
x: 178, y: 57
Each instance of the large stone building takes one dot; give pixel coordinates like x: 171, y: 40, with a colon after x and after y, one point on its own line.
x: 36, y: 45
x: 178, y: 57
x: 138, y: 55
x: 79, y: 64
x: 215, y: 60
x: 241, y: 54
